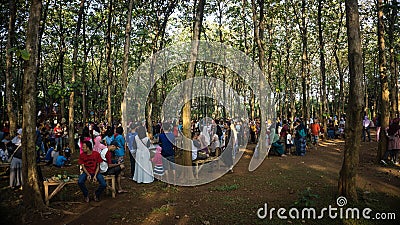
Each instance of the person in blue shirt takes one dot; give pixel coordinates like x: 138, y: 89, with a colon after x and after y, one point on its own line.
x: 120, y: 151
x: 167, y: 141
x: 49, y: 159
x: 60, y: 161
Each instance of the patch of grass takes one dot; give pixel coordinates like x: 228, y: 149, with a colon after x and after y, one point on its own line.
x: 225, y: 187
x: 162, y: 209
x: 306, y: 198
x: 148, y: 193
x: 171, y: 189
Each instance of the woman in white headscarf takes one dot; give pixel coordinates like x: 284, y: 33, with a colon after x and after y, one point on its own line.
x: 204, y: 139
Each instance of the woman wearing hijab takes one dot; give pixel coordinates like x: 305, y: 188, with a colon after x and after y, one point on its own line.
x: 366, y: 125
x: 143, y: 166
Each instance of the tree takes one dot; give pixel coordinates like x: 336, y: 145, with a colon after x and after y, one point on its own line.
x: 382, y: 146
x: 32, y: 194
x: 186, y: 112
x: 109, y: 63
x: 9, y: 74
x: 71, y: 115
x: 348, y: 172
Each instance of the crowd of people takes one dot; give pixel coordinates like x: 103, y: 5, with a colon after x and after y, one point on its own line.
x: 103, y: 149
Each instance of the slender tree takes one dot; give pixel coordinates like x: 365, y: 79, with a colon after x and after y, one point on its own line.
x: 12, y: 118
x: 32, y: 194
x: 186, y: 114
x: 109, y: 63
x: 348, y: 172
x: 71, y: 114
x: 384, y: 83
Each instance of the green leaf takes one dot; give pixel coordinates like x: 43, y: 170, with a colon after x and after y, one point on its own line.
x: 25, y: 54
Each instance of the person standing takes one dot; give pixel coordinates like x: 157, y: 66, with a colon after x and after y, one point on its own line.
x: 366, y: 127
x: 131, y: 145
x: 120, y: 151
x: 167, y: 140
x: 143, y: 166
x: 315, y: 130
x: 90, y: 163
x: 300, y: 138
x: 58, y: 132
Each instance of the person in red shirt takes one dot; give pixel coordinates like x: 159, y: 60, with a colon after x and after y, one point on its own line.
x: 90, y: 160
x: 315, y: 130
x: 58, y: 136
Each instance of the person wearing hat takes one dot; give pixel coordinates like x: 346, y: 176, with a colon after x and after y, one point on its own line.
x: 109, y: 168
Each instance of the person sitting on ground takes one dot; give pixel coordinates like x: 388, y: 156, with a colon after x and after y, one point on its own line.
x: 60, y: 162
x: 277, y: 146
x: 49, y: 155
x: 67, y: 154
x: 109, y: 168
x: 90, y: 163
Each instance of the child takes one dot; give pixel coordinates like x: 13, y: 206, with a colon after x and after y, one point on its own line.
x: 289, y: 143
x: 158, y: 165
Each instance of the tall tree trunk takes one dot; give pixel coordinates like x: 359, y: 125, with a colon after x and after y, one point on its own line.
x: 83, y: 74
x: 9, y: 73
x: 125, y: 64
x: 61, y: 57
x: 71, y: 114
x: 304, y: 61
x: 382, y: 145
x: 392, y: 63
x: 322, y: 66
x: 32, y: 194
x: 348, y: 172
x: 186, y: 114
x: 109, y: 64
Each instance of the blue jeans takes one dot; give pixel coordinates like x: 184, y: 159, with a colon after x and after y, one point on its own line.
x: 100, y: 179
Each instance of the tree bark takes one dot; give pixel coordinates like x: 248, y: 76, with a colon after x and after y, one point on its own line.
x: 71, y: 114
x: 322, y: 66
x: 109, y: 64
x: 125, y: 64
x: 348, y: 172
x: 32, y: 195
x: 186, y: 114
x: 9, y: 74
x: 382, y: 145
x: 304, y: 61
x: 392, y: 60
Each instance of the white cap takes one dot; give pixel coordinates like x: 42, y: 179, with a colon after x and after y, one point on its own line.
x: 19, y: 131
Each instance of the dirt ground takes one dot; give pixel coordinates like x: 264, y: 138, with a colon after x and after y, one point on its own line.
x: 235, y: 198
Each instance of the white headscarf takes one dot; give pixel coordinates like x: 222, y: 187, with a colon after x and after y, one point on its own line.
x: 206, y: 136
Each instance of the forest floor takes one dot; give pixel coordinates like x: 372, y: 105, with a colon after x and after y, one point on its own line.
x: 234, y: 198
